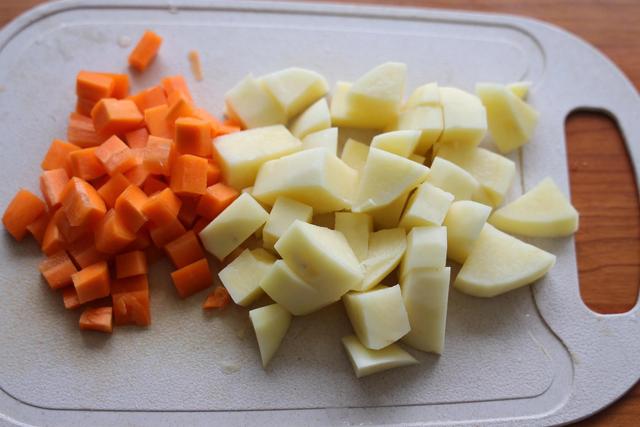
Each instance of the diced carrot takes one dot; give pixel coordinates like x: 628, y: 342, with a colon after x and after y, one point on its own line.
x: 70, y: 233
x: 148, y: 98
x: 129, y: 207
x: 184, y: 250
x: 162, y: 207
x: 130, y: 298
x: 192, y: 278
x: 112, y: 115
x: 200, y: 225
x: 115, y: 155
x: 112, y: 235
x: 142, y: 242
x: 81, y: 132
x: 189, y: 175
x: 70, y: 298
x: 57, y: 270
x: 196, y: 66
x: 24, y: 208
x: 155, y: 118
x: 169, y: 231
x: 158, y: 155
x: 98, y: 319
x: 213, y: 173
x: 85, y: 164
x: 38, y: 227
x: 92, y: 282
x: 81, y: 203
x: 172, y: 84
x: 58, y: 156
x: 83, y: 252
x: 137, y: 175
x: 52, y: 240
x: 225, y: 129
x: 179, y: 106
x: 84, y: 106
x: 193, y: 136
x: 187, y: 214
x: 111, y: 189
x: 121, y: 85
x: 219, y: 298
x: 202, y: 114
x: 137, y: 138
x: 130, y: 264
x: 153, y: 185
x: 215, y: 200
x: 145, y: 51
x: 94, y: 86
x: 52, y: 182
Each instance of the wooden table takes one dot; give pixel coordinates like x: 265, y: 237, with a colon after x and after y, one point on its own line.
x: 602, y: 183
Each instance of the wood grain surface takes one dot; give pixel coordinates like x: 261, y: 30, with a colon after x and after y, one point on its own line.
x: 602, y: 181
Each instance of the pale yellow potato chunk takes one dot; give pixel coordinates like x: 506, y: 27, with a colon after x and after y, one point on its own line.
x: 313, y: 119
x: 464, y: 117
x: 386, y: 249
x: 401, y: 142
x: 452, y: 178
x: 389, y: 216
x: 366, y: 361
x: 428, y: 119
x: 295, y: 88
x: 464, y: 222
x: 354, y: 153
x: 242, y: 276
x: 270, y: 323
x: 426, y: 248
x: 427, y: 94
x: 356, y: 228
x: 428, y: 205
x: 284, y: 212
x: 326, y: 138
x: 250, y: 103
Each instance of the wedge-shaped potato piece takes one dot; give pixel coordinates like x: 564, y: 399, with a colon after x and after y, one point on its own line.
x: 464, y: 222
x: 520, y: 89
x: 400, y: 142
x: 242, y: 276
x: 321, y: 257
x: 493, y: 172
x: 313, y: 119
x: 356, y: 228
x: 341, y: 112
x: 543, y: 211
x: 366, y: 362
x: 389, y: 216
x: 428, y: 205
x: 326, y: 138
x: 511, y: 120
x: 250, y: 103
x: 425, y: 293
x: 499, y: 263
x: 427, y: 94
x: 354, y: 154
x: 464, y: 117
x: 426, y: 248
x: 427, y: 119
x: 452, y: 178
x: 240, y: 154
x: 295, y: 88
x: 386, y: 249
x: 385, y: 178
x: 314, y: 177
x: 289, y: 290
x: 270, y: 323
x: 284, y: 212
x: 378, y: 316
x: 233, y: 226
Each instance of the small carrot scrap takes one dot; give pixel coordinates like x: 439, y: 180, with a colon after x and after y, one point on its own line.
x: 38, y: 227
x: 172, y: 84
x: 193, y: 136
x: 187, y: 214
x: 189, y: 175
x: 120, y: 86
x: 98, y: 319
x: 92, y: 282
x: 137, y: 138
x: 196, y: 66
x: 219, y: 298
x: 155, y: 118
x: 24, y: 208
x: 192, y: 278
x: 94, y: 86
x: 162, y: 207
x: 112, y: 115
x: 52, y: 240
x: 57, y: 156
x: 84, y: 106
x: 130, y: 264
x: 85, y: 164
x: 70, y: 298
x: 215, y: 200
x: 112, y: 235
x: 151, y: 97
x: 159, y: 155
x: 184, y: 250
x: 82, y: 132
x: 57, y: 270
x: 169, y: 231
x: 83, y: 252
x: 129, y: 207
x: 81, y: 203
x: 153, y: 185
x: 213, y: 173
x: 145, y: 51
x: 130, y: 298
x: 111, y: 189
x: 115, y: 155
x: 52, y: 182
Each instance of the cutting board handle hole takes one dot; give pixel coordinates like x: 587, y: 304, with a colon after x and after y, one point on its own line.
x: 603, y: 190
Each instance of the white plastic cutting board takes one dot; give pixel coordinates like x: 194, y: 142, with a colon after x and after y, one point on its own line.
x: 535, y: 356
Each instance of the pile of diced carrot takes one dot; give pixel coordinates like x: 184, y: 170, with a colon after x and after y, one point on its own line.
x: 134, y: 179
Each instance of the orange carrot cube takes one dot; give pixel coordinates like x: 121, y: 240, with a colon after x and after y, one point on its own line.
x: 111, y: 189
x: 83, y: 252
x: 130, y: 298
x: 81, y: 203
x: 155, y: 118
x: 70, y: 298
x: 129, y: 207
x: 187, y: 214
x: 153, y: 185
x: 112, y: 235
x: 130, y: 264
x: 145, y: 51
x: 85, y: 164
x: 192, y: 278
x: 94, y: 86
x: 57, y: 270
x: 137, y: 138
x: 112, y: 115
x: 98, y: 319
x: 162, y: 207
x: 52, y: 240
x: 215, y: 200
x: 38, y: 227
x: 57, y: 156
x: 163, y: 234
x: 24, y: 208
x: 121, y: 84
x: 184, y: 250
x: 82, y: 132
x: 92, y: 282
x: 189, y: 175
x: 193, y: 136
x: 52, y: 182
x: 158, y: 155
x: 115, y: 155
x: 213, y: 173
x: 148, y: 98
x: 173, y: 84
